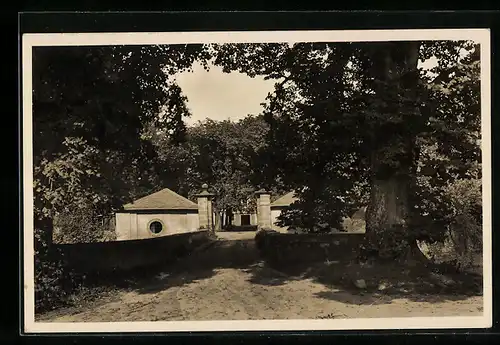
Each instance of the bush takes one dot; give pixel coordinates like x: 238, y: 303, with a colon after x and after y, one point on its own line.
x: 54, y: 282
x: 463, y: 231
x: 48, y: 288
x: 51, y: 277
x: 323, y: 208
x: 83, y: 224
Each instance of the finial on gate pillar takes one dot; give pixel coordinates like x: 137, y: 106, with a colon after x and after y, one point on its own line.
x: 204, y: 191
x: 261, y: 191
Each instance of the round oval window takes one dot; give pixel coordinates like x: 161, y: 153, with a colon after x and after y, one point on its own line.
x: 155, y: 227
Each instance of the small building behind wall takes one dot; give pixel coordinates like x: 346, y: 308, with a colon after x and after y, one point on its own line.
x: 277, y: 207
x: 160, y: 214
x: 241, y: 219
x: 268, y: 216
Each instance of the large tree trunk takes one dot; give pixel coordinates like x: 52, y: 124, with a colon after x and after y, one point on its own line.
x: 389, y: 202
x: 386, y: 216
x: 392, y: 151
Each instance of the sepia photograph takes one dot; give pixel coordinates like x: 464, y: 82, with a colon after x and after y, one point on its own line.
x: 279, y: 180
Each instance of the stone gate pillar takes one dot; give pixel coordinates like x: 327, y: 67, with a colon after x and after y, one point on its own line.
x: 205, y: 212
x: 263, y: 209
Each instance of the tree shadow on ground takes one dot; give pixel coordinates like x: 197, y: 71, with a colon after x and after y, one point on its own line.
x: 195, y: 266
x: 384, y: 282
x: 236, y: 254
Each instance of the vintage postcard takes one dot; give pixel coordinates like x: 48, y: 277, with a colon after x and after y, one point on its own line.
x: 260, y: 180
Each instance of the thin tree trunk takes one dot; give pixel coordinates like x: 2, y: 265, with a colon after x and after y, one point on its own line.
x: 230, y: 217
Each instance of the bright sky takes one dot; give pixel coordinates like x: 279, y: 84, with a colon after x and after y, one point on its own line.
x: 220, y: 96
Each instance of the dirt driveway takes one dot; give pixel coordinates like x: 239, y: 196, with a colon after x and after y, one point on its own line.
x: 236, y: 235
x: 229, y: 282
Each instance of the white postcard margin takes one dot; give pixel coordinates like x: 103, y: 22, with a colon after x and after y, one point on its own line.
x: 481, y: 36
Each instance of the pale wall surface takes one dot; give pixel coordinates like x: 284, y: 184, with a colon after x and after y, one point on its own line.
x: 203, y: 211
x: 274, y: 219
x: 132, y: 226
x: 253, y: 219
x: 237, y: 219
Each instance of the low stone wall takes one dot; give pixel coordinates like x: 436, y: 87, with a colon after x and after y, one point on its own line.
x: 296, y: 248
x: 127, y: 255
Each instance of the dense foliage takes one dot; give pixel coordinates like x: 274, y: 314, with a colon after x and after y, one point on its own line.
x: 84, y: 224
x: 353, y: 124
x: 90, y: 108
x: 224, y: 155
x: 348, y: 125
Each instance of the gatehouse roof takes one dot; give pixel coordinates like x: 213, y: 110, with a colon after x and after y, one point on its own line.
x: 285, y: 200
x: 164, y: 199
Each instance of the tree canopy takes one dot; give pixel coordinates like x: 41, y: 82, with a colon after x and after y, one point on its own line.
x: 347, y: 125
x: 352, y: 119
x: 91, y: 106
x: 223, y: 154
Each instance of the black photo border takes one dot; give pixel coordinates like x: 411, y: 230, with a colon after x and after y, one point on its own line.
x: 47, y: 22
